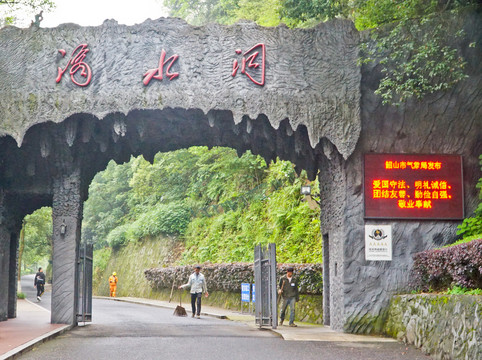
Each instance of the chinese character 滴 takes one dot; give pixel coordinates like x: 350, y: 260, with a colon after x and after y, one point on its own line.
x: 76, y: 63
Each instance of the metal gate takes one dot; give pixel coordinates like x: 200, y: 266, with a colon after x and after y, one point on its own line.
x: 266, y: 309
x: 84, y: 304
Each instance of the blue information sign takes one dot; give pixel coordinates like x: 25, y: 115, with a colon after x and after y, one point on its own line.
x: 254, y: 293
x: 245, y: 293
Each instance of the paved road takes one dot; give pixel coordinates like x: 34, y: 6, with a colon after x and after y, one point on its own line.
x: 129, y: 331
x: 31, y: 292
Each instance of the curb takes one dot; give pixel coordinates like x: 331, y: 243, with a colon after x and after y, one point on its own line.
x: 29, y: 345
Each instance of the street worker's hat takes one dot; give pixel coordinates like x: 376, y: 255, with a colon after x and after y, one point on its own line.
x: 198, y: 266
x: 114, y: 273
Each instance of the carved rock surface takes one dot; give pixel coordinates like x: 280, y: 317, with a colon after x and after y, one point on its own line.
x: 311, y: 75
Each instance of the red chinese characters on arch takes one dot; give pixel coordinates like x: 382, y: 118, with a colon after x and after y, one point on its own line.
x: 158, y: 73
x: 413, y: 186
x: 76, y: 63
x: 251, y: 66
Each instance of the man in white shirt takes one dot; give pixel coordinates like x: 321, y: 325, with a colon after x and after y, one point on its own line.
x: 197, y: 283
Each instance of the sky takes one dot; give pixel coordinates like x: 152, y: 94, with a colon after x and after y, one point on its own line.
x: 94, y: 12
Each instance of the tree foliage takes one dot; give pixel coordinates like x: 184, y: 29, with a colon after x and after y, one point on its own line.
x: 13, y: 10
x: 415, y: 49
x: 218, y: 205
x: 37, y: 239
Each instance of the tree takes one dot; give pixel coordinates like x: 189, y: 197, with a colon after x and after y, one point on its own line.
x: 108, y: 202
x: 37, y: 234
x: 12, y: 11
x: 413, y: 40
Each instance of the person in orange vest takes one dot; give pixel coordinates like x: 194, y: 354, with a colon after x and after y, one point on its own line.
x: 113, y: 284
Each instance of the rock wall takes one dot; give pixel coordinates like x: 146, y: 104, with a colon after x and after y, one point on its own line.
x: 444, y: 326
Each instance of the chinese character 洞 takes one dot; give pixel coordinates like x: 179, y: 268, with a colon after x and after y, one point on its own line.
x: 248, y: 63
x: 158, y: 73
x: 76, y: 63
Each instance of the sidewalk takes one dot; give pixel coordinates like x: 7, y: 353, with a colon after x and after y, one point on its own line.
x: 32, y: 326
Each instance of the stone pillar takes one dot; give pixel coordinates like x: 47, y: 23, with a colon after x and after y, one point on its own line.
x: 67, y: 219
x: 4, y: 257
x: 326, y: 280
x: 4, y: 266
x: 12, y: 277
x: 333, y: 203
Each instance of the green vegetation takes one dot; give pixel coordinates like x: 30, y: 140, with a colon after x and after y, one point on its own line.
x: 471, y: 228
x: 458, y: 290
x: 35, y: 241
x: 20, y: 295
x: 413, y: 38
x: 215, y: 205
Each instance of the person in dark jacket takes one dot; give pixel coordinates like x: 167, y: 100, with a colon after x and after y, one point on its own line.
x: 39, y: 283
x: 288, y: 289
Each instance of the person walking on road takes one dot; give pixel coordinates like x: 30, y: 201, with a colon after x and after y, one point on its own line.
x: 39, y: 283
x: 288, y: 289
x: 113, y: 284
x: 197, y: 283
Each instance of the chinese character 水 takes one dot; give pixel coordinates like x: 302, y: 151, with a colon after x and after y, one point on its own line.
x: 158, y: 73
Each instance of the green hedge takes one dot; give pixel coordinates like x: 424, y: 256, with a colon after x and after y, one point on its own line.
x: 228, y: 277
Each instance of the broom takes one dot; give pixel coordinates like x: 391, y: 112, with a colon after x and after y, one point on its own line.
x: 180, y: 311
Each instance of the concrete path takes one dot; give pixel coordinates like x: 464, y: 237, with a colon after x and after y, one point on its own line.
x: 30, y: 327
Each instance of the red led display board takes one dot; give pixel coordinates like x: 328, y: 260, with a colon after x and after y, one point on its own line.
x: 413, y: 186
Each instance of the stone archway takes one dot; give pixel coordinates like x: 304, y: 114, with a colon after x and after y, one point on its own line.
x: 306, y: 101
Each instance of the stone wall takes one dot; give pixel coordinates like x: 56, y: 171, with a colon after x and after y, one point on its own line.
x: 444, y: 326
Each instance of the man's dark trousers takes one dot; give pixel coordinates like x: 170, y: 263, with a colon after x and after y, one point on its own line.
x: 196, y: 298
x: 40, y: 289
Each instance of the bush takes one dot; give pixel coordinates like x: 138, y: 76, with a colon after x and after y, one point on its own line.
x: 118, y: 238
x: 20, y: 295
x: 459, y: 265
x: 457, y: 290
x: 228, y: 277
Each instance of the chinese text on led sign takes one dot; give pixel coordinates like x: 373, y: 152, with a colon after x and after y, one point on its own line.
x: 413, y: 186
